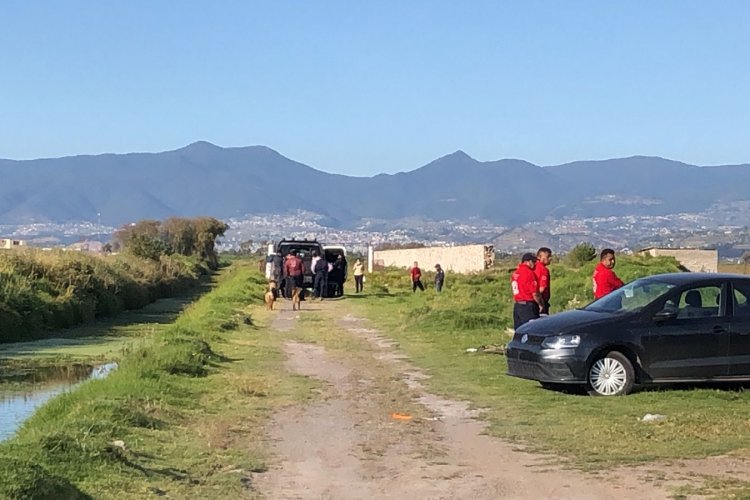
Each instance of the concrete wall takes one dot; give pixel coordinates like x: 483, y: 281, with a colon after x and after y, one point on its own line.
x: 7, y: 244
x: 706, y: 261
x: 459, y: 259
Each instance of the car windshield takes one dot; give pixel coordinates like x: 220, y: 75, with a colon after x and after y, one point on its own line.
x: 631, y: 297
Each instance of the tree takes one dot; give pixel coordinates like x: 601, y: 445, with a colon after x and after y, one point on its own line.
x: 145, y: 227
x: 581, y: 253
x: 745, y: 260
x: 147, y: 247
x: 150, y: 238
x: 207, y: 229
x: 180, y: 234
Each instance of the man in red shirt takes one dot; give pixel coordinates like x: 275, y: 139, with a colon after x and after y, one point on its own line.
x: 604, y: 279
x: 416, y: 278
x: 525, y: 291
x: 543, y: 258
x: 294, y: 268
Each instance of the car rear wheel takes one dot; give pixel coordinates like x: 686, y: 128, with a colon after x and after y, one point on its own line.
x: 611, y: 375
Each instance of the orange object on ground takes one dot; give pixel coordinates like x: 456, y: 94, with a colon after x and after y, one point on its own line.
x: 400, y: 416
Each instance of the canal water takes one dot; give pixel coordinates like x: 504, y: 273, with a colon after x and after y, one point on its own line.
x: 23, y: 391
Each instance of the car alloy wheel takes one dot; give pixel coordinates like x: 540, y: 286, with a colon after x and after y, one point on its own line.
x: 611, y: 375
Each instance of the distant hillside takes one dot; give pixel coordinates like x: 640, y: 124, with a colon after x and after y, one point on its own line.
x: 204, y: 179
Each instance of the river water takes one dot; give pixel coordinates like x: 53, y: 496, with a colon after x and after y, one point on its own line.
x: 22, y: 392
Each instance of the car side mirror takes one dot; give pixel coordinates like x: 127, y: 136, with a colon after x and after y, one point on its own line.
x: 665, y: 314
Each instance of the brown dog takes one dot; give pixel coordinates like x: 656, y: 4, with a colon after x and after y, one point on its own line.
x: 270, y: 295
x: 296, y: 298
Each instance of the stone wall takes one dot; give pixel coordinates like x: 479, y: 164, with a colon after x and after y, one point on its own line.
x: 459, y: 259
x: 706, y: 261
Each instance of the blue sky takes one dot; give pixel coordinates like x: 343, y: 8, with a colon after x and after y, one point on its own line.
x: 367, y: 87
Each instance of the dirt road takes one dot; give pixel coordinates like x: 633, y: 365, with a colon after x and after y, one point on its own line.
x: 349, y: 444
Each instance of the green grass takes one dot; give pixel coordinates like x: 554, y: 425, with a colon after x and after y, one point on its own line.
x: 42, y: 292
x: 183, y: 415
x: 435, y: 331
x: 191, y: 402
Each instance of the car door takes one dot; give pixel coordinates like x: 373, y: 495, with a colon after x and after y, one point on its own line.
x: 695, y: 343
x: 739, y: 335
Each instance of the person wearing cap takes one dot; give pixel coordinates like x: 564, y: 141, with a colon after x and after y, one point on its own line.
x: 439, y: 278
x: 604, y: 279
x: 526, y: 297
x: 543, y: 258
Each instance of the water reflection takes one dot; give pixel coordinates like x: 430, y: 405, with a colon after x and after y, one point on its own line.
x: 23, y: 391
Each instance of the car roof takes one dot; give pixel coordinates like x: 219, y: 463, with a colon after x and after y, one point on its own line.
x: 686, y: 278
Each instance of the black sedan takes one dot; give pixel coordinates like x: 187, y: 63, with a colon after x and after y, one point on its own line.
x: 667, y: 328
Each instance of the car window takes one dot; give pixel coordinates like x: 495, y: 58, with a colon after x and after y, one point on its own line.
x: 741, y: 304
x: 631, y: 297
x: 698, y: 302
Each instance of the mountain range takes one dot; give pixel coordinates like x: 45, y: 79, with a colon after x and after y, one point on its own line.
x: 204, y: 179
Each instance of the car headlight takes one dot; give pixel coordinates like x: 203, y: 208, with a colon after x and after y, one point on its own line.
x: 561, y: 341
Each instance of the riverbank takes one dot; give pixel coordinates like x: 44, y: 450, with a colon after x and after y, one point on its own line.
x: 181, y: 414
x: 43, y: 292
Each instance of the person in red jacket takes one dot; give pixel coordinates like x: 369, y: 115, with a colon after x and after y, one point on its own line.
x: 416, y: 278
x: 525, y: 287
x: 604, y: 279
x: 543, y: 258
x: 294, y: 269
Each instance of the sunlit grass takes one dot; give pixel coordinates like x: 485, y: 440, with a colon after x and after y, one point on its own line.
x: 184, y: 414
x: 435, y: 331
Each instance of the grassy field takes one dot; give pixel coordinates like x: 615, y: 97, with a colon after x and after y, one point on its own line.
x: 183, y: 415
x: 436, y: 329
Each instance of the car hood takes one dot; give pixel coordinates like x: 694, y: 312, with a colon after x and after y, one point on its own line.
x: 566, y: 322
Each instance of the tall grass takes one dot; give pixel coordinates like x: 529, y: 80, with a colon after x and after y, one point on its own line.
x: 42, y: 291
x: 84, y: 443
x: 483, y: 301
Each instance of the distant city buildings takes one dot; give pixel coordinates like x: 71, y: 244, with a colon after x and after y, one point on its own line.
x: 717, y: 228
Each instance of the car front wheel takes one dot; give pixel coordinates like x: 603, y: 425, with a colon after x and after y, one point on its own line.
x: 611, y: 375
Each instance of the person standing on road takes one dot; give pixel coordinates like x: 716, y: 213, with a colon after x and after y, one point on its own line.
x: 543, y: 258
x: 338, y: 274
x: 359, y: 276
x: 294, y: 269
x: 277, y: 271
x: 604, y: 279
x: 319, y: 267
x: 439, y: 278
x: 526, y: 297
x: 416, y: 278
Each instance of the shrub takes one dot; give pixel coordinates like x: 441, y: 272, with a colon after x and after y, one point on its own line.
x: 43, y: 291
x: 581, y: 254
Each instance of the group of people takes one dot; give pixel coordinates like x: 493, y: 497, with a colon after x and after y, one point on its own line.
x: 530, y: 283
x: 327, y: 275
x: 416, y: 277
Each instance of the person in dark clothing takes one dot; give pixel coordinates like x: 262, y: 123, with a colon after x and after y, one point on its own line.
x: 338, y: 274
x: 439, y: 278
x: 416, y: 277
x: 277, y: 271
x: 320, y: 283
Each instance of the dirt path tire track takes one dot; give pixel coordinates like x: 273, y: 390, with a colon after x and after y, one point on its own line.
x: 347, y: 446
